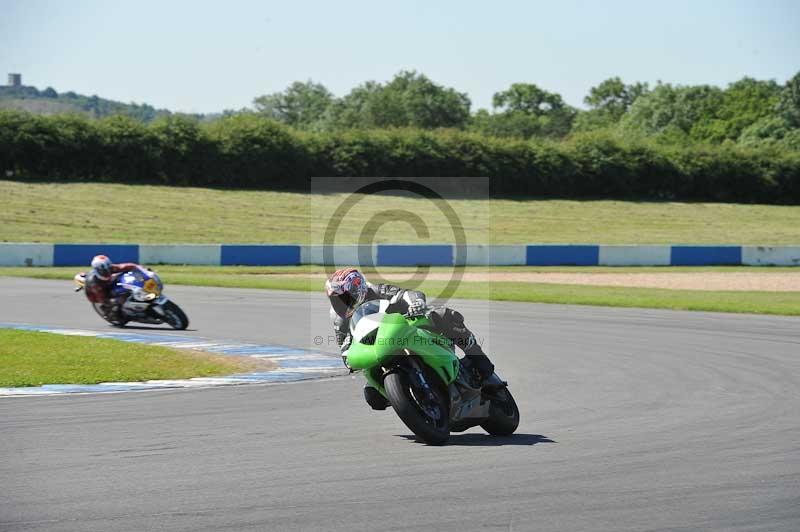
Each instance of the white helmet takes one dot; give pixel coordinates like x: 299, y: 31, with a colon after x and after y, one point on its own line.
x: 102, y: 267
x: 346, y: 289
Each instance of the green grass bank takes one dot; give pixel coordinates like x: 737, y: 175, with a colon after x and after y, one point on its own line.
x: 113, y: 213
x: 29, y: 358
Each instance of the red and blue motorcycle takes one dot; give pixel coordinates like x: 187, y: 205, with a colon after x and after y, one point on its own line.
x: 141, y: 291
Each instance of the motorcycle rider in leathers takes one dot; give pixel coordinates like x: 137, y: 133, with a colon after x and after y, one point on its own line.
x: 347, y: 288
x: 99, y: 282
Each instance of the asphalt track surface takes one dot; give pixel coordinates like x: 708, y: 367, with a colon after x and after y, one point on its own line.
x: 631, y: 420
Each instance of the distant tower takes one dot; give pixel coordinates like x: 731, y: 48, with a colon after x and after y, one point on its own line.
x: 15, y: 80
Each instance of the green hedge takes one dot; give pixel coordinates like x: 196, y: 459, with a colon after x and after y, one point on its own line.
x: 249, y: 151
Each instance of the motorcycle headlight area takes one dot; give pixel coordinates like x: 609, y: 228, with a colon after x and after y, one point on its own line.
x: 142, y: 295
x: 151, y: 287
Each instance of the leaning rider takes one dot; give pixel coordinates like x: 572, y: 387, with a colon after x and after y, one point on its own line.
x: 347, y: 289
x: 100, y: 280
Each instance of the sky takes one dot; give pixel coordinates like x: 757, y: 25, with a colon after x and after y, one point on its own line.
x: 197, y: 56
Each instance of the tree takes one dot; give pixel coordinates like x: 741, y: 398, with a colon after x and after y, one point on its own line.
x: 49, y: 92
x: 92, y: 104
x: 703, y: 112
x: 367, y: 106
x: 410, y: 99
x: 592, y: 120
x: 524, y: 110
x: 608, y: 102
x: 302, y: 104
x: 527, y: 98
x: 426, y: 104
x: 771, y: 128
x: 614, y: 97
x: 789, y: 101
x: 744, y: 103
x: 671, y: 107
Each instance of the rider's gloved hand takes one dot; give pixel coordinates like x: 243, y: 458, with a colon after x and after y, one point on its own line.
x: 344, y: 347
x: 344, y: 360
x: 483, y: 367
x: 416, y: 308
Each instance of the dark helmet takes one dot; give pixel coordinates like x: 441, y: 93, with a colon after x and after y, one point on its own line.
x: 102, y: 267
x: 346, y: 289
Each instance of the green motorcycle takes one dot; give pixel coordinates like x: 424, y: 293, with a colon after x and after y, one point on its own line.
x: 418, y: 371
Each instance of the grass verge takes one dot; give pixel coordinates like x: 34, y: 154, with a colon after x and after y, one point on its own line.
x: 781, y: 303
x: 784, y: 303
x: 86, y: 212
x: 256, y: 274
x: 29, y: 358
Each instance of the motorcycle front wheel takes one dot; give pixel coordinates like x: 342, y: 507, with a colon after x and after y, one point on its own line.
x: 174, y: 316
x: 427, y: 417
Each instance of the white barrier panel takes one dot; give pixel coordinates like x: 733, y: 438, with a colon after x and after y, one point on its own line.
x: 488, y: 255
x: 342, y: 255
x: 771, y: 256
x: 634, y: 255
x: 195, y: 254
x: 26, y: 254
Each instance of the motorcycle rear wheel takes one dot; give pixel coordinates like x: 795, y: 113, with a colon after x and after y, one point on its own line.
x: 115, y: 323
x: 433, y: 430
x: 503, y: 415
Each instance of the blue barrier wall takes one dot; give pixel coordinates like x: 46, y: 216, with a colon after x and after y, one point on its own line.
x: 256, y: 255
x: 706, y: 255
x: 415, y: 255
x: 562, y: 255
x: 22, y: 254
x: 82, y: 254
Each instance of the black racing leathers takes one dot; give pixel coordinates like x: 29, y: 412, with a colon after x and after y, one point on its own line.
x: 446, y: 321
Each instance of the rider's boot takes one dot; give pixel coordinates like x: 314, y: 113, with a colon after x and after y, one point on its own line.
x: 451, y: 323
x: 114, y: 306
x: 482, y: 368
x: 375, y: 399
